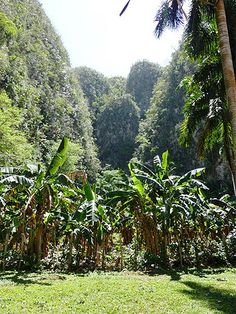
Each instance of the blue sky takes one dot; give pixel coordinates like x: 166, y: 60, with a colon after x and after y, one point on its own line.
x: 95, y: 36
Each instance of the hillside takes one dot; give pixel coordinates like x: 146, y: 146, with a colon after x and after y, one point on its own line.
x: 36, y: 78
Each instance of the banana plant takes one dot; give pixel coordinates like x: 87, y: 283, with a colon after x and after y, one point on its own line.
x: 172, y: 197
x: 134, y: 222
x: 93, y: 218
x: 38, y: 186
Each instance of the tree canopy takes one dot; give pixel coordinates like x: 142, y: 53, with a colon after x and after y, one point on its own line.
x: 117, y: 126
x: 141, y: 80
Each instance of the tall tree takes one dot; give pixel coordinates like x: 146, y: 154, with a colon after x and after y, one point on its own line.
x: 206, y: 116
x: 171, y: 14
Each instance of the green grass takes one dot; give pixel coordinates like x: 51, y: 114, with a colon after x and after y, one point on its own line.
x: 209, y: 291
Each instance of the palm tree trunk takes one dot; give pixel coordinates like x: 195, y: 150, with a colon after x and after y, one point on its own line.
x: 229, y: 155
x: 228, y: 71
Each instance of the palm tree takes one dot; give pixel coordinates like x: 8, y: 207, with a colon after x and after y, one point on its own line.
x: 228, y: 71
x: 171, y: 14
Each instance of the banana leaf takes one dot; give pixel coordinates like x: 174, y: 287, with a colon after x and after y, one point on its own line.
x: 16, y: 179
x: 89, y: 193
x: 137, y: 183
x: 60, y: 157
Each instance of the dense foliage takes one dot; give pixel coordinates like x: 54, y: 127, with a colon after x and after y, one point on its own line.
x: 36, y: 78
x: 93, y: 83
x: 150, y: 218
x: 116, y: 128
x: 160, y: 128
x: 147, y: 215
x: 14, y: 147
x: 141, y: 80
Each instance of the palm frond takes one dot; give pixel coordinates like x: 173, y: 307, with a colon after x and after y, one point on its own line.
x: 201, y: 31
x: 170, y: 15
x: 211, y: 134
x: 124, y: 8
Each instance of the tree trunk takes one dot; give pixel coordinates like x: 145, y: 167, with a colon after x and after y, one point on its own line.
x: 70, y: 254
x: 228, y: 72
x: 6, y: 242
x: 180, y: 251
x: 38, y: 243
x: 136, y: 249
x: 104, y: 252
x: 198, y: 264
x: 229, y: 155
x: 164, y: 253
x: 121, y: 253
x: 149, y: 233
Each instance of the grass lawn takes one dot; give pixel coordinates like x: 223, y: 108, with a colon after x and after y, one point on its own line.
x: 208, y: 291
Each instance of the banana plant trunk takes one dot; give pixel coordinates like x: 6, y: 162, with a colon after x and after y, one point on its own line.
x: 38, y: 243
x: 228, y: 72
x: 121, y: 253
x: 70, y: 254
x: 180, y: 249
x: 6, y: 242
x: 164, y: 254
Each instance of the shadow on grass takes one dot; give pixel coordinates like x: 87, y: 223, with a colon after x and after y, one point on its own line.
x: 201, y: 272
x: 22, y: 278
x: 175, y: 274
x: 217, y: 299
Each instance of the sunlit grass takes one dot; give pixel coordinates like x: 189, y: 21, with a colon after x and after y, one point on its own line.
x: 198, y: 292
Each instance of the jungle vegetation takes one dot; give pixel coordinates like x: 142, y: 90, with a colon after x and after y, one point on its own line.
x: 114, y: 173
